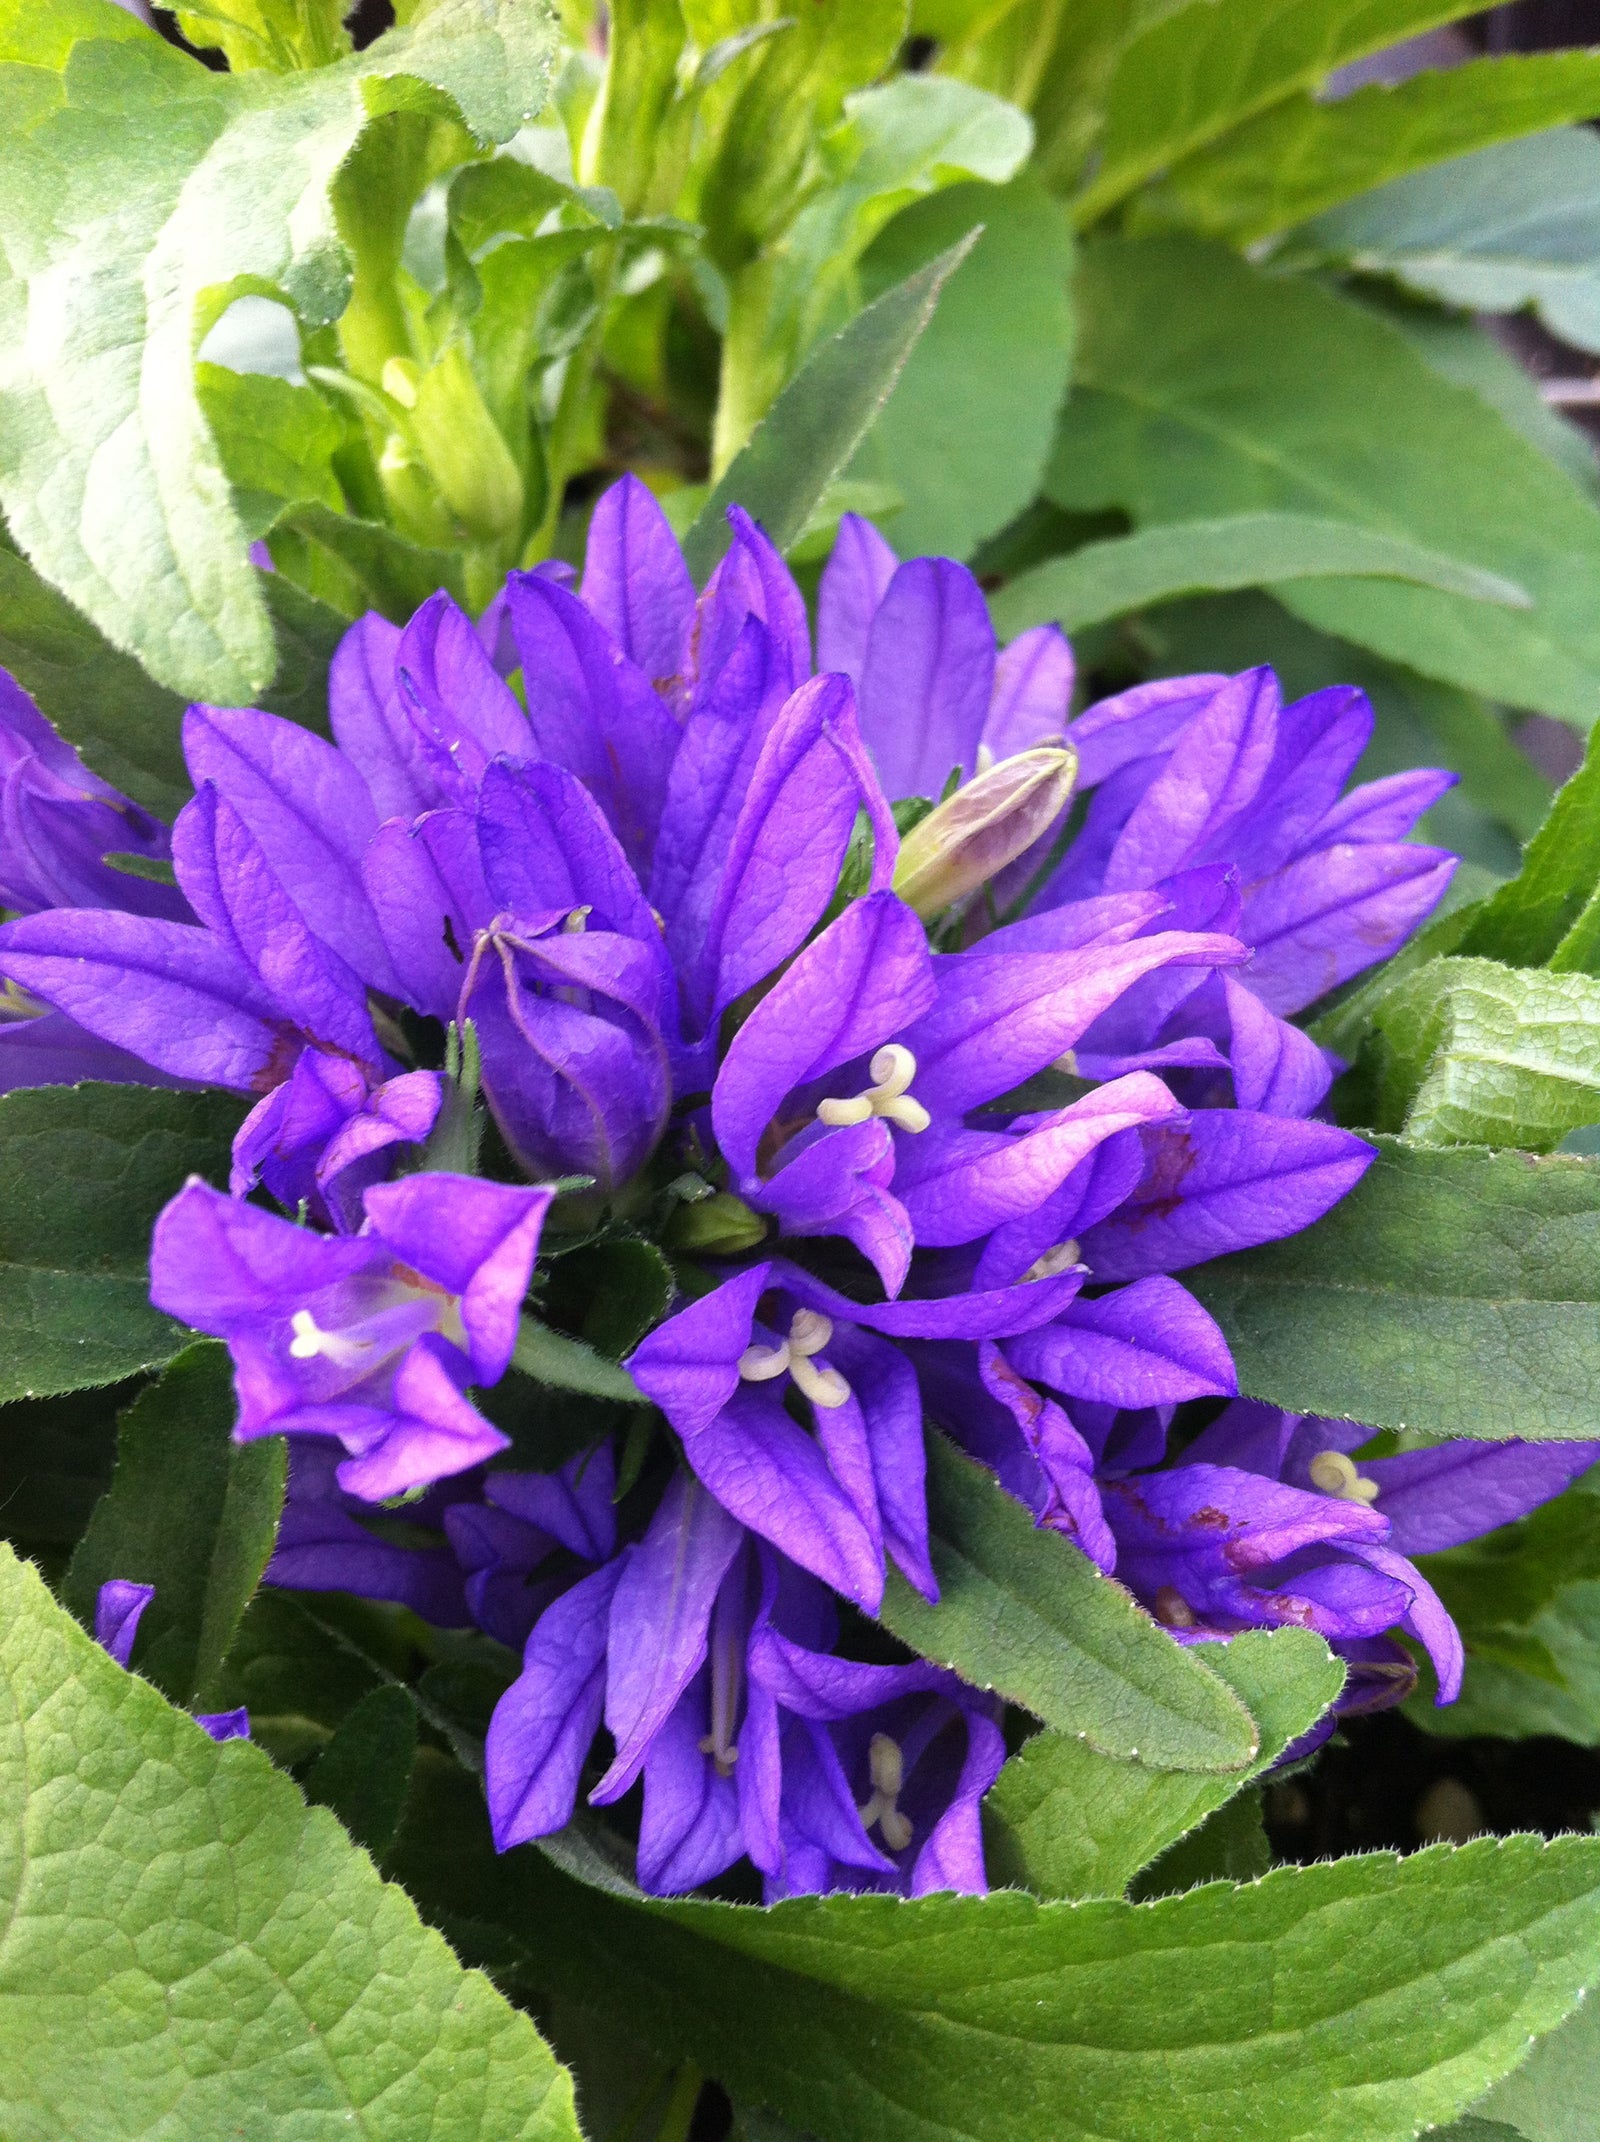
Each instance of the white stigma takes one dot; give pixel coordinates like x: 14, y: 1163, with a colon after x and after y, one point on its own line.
x: 886, y: 1768
x: 577, y: 922
x: 310, y: 1341
x: 893, y: 1069
x: 1065, y: 1257
x: 809, y: 1333
x: 1335, y: 1475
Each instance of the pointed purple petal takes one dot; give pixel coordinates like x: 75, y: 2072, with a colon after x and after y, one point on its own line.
x: 478, y: 1240
x: 1033, y: 681
x: 118, y: 1606
x: 635, y: 581
x: 1336, y: 912
x: 854, y: 582
x: 543, y: 1724
x: 1438, y: 1498
x: 927, y: 678
x: 1150, y: 1344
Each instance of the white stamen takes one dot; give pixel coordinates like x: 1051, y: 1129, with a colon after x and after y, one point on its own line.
x: 809, y: 1333
x: 886, y: 1768
x: 892, y: 1069
x: 577, y: 922
x: 1335, y: 1475
x: 310, y: 1341
x: 985, y: 758
x: 1065, y: 1257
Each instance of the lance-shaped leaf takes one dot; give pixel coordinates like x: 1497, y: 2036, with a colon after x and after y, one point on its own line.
x: 1241, y: 551
x: 1355, y: 2001
x: 1065, y: 1821
x: 1452, y: 1292
x: 189, y: 1511
x: 1305, y: 155
x: 1023, y: 1611
x: 83, y: 1172
x: 1207, y: 387
x: 136, y: 186
x: 822, y: 416
x: 191, y: 1951
x: 1540, y: 917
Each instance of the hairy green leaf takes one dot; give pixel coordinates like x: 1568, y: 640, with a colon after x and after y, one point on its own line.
x: 1453, y: 1292
x: 1023, y: 1611
x: 1305, y: 156
x: 1242, y: 551
x: 1507, y: 227
x: 965, y: 436
x: 1066, y: 1821
x: 1355, y: 2001
x: 1210, y: 388
x: 190, y: 1951
x: 135, y: 184
x: 1550, y: 2097
x: 74, y: 1287
x: 821, y: 417
x: 566, y: 1364
x: 189, y: 1511
x: 276, y: 442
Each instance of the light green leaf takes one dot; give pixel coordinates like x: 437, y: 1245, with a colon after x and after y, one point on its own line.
x: 1304, y: 156
x: 74, y: 1242
x: 389, y: 573
x: 276, y: 442
x: 190, y: 1952
x: 1508, y: 227
x: 1355, y: 2001
x: 189, y: 1511
x: 280, y: 34
x: 1473, y: 1053
x: 1528, y: 922
x: 1209, y: 388
x: 1065, y: 1821
x: 1452, y: 1292
x: 1208, y: 69
x: 1550, y: 2097
x: 1023, y: 1611
x: 565, y: 1364
x: 965, y: 435
x: 821, y: 417
x: 138, y: 182
x: 1246, y: 550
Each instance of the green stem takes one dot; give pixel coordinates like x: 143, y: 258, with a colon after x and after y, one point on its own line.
x: 679, y: 2115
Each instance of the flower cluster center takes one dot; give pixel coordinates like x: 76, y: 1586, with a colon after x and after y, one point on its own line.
x: 809, y: 1333
x: 886, y: 1768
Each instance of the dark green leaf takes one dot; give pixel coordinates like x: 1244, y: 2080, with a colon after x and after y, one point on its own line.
x: 56, y: 1456
x: 1023, y: 1611
x: 1065, y: 1821
x: 1355, y: 2001
x: 395, y: 576
x: 613, y: 1291
x: 964, y: 437
x: 1209, y: 387
x: 1452, y: 1292
x: 74, y: 1290
x: 192, y: 1952
x: 364, y: 1772
x: 1305, y: 154
x: 189, y: 1511
x: 1245, y: 550
x: 1231, y: 1845
x: 821, y: 417
x: 303, y: 1660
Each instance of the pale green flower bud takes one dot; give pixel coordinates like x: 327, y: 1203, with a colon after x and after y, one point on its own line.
x: 719, y: 1226
x: 982, y: 827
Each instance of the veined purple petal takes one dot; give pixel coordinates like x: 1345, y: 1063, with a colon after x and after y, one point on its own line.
x: 574, y: 1505
x: 477, y: 1240
x: 690, y: 1364
x: 1426, y: 1619
x: 689, y: 1829
x: 434, y: 1433
x: 1137, y: 724
x: 1033, y: 680
x: 1224, y: 1180
x: 1456, y: 1491
x: 854, y: 582
x: 467, y: 711
x: 426, y: 884
x: 1207, y: 784
x: 1069, y: 1502
x: 1319, y: 741
x: 1382, y: 810
x: 53, y: 1050
x: 1336, y: 912
x: 993, y: 1315
x: 751, y: 581
x: 543, y: 1724
x: 927, y: 677
x: 546, y: 844
x: 1095, y: 1187
x: 883, y: 1385
x: 635, y: 581
x: 1277, y: 1069
x: 1150, y: 1344
x: 1109, y: 920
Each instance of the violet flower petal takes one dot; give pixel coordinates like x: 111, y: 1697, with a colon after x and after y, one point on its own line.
x: 118, y: 1605
x: 635, y: 581
x: 927, y: 677
x: 1150, y: 1344
x: 854, y: 582
x: 1032, y: 696
x: 478, y: 1240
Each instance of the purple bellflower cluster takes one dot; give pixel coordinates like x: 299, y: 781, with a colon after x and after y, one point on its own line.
x: 932, y: 1031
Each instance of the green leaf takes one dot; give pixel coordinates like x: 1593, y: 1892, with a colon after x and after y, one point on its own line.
x: 1472, y: 2129
x: 189, y: 1511
x: 128, y: 728
x: 1065, y: 1821
x: 1023, y: 1611
x: 190, y: 1951
x: 613, y: 1291
x: 74, y: 1242
x: 1304, y: 156
x: 132, y: 184
x: 1474, y: 1053
x: 276, y: 442
x: 1354, y: 2001
x: 391, y: 574
x: 280, y: 34
x: 56, y: 1456
x: 1210, y: 388
x: 364, y: 1772
x: 1206, y: 70
x: 821, y: 417
x: 1231, y: 1845
x: 1529, y: 921
x: 565, y: 1364
x: 1507, y: 227
x: 965, y: 435
x: 1550, y: 2097
x: 1452, y: 1291
x: 1245, y: 550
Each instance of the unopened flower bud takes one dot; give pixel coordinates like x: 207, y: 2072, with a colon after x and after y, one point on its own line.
x: 718, y: 1226
x: 982, y: 827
